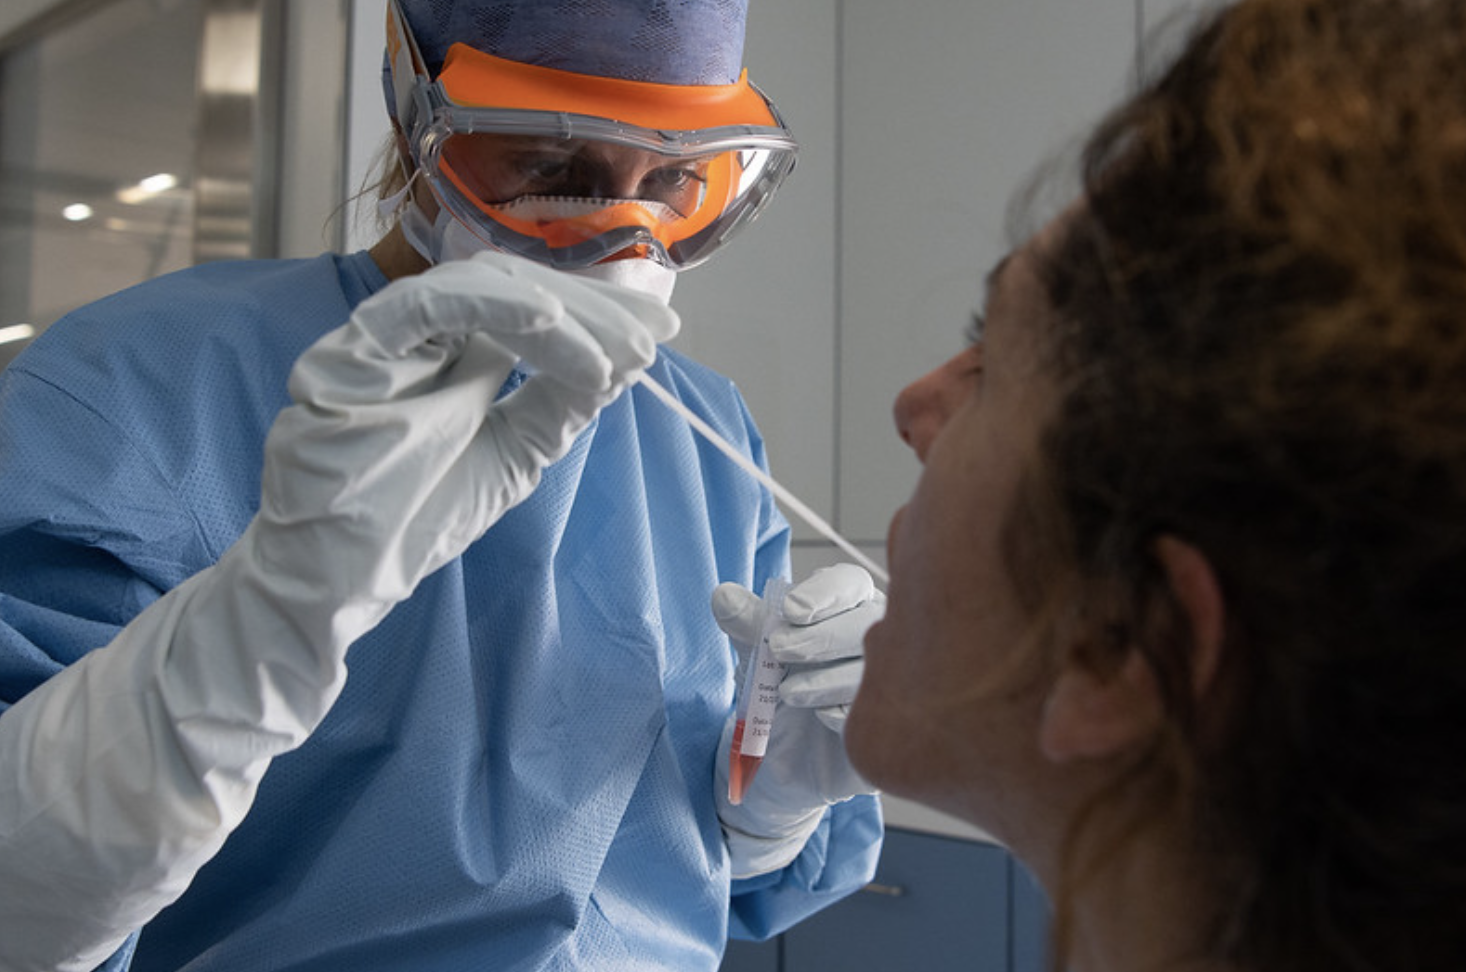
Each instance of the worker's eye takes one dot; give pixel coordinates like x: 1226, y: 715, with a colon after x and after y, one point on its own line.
x: 677, y: 186
x: 543, y: 169
x: 673, y: 177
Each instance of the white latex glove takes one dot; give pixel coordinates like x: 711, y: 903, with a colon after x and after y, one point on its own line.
x: 805, y: 768
x: 125, y: 772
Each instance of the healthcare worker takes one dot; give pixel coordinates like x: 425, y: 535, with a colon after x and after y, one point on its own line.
x: 211, y: 488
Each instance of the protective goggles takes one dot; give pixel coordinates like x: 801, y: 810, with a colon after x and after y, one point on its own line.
x: 572, y: 169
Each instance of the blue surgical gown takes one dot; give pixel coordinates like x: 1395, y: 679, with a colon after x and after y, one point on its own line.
x: 519, y: 772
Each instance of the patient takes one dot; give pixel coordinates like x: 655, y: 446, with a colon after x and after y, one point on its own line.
x: 1178, y: 608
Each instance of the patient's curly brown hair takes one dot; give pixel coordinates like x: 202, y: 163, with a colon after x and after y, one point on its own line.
x: 1261, y: 349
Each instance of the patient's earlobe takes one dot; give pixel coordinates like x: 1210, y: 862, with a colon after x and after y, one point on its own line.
x: 1093, y: 713
x: 1096, y: 715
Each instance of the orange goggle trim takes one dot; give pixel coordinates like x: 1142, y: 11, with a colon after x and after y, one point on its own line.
x: 474, y: 79
x: 718, y: 195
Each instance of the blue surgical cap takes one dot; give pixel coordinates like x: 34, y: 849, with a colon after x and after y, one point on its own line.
x: 663, y: 41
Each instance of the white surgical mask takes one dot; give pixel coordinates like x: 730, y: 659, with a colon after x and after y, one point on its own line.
x: 446, y: 238
x: 646, y: 276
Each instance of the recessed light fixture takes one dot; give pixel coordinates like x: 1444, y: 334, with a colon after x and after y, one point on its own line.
x: 147, y: 188
x: 77, y: 212
x: 17, y: 332
x: 161, y: 182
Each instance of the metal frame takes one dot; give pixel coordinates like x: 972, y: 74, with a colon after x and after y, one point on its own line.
x: 239, y: 110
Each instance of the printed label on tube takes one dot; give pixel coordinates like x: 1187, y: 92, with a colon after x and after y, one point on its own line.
x: 758, y: 698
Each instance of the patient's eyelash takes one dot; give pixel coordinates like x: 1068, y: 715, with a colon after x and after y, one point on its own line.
x: 972, y: 334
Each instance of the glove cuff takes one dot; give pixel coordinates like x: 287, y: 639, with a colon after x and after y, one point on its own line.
x: 751, y: 855
x: 761, y: 834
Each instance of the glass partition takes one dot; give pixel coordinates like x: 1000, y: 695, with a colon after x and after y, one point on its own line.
x: 135, y: 139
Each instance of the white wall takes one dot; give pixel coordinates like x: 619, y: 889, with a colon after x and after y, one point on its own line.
x: 16, y: 13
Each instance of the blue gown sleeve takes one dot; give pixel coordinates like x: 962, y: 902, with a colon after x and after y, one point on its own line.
x: 80, y: 525
x: 67, y: 479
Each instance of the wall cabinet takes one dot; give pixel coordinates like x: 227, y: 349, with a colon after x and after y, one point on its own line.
x: 937, y: 904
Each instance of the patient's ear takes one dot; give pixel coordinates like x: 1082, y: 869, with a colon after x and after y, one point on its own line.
x: 1194, y: 585
x: 1094, y: 714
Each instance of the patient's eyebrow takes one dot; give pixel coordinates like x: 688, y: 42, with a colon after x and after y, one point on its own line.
x: 990, y: 282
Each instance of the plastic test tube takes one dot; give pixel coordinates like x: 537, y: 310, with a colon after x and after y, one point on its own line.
x: 757, y: 697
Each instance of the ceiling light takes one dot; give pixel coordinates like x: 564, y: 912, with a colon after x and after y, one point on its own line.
x: 147, y: 188
x: 77, y: 212
x: 161, y: 182
x: 16, y: 332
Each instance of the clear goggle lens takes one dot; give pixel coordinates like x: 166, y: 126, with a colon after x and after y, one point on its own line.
x: 530, y: 159
x: 574, y: 201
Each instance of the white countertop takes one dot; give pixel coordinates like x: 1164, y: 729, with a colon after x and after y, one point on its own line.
x: 906, y: 815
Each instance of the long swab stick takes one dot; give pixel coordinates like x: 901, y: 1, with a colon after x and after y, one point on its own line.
x: 791, y: 501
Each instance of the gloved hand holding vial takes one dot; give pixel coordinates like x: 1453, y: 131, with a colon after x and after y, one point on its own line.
x: 810, y: 635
